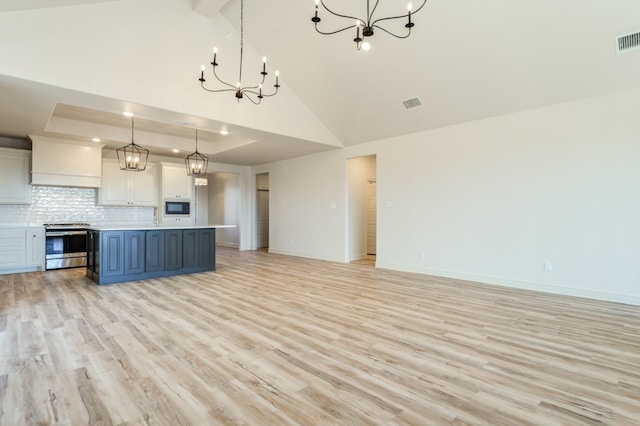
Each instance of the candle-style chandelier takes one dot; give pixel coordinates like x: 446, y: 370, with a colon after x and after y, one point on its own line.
x: 365, y: 27
x: 253, y: 93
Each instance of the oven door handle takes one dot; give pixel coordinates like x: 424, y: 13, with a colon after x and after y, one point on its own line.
x: 63, y: 234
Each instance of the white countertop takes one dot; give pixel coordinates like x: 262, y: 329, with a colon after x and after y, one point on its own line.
x: 150, y: 227
x: 21, y: 225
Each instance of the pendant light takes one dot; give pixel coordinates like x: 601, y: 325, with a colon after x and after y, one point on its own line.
x: 196, y: 163
x: 132, y: 157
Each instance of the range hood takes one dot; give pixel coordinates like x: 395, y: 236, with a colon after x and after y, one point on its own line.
x: 61, y: 162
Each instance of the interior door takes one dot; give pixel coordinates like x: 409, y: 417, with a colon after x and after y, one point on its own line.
x: 371, y: 217
x: 262, y: 201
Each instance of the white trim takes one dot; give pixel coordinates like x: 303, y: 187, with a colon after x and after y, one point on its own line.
x: 223, y: 244
x: 8, y: 271
x: 525, y: 285
x: 307, y: 256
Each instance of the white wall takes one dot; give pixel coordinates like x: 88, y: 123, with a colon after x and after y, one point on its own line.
x: 224, y: 206
x: 359, y: 171
x: 307, y: 206
x: 201, y: 198
x: 490, y: 201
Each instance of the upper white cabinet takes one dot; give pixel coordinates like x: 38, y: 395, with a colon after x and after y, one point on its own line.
x: 60, y: 162
x: 176, y: 184
x: 126, y: 188
x: 14, y: 176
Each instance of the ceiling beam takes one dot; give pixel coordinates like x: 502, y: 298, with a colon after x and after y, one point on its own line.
x: 208, y: 8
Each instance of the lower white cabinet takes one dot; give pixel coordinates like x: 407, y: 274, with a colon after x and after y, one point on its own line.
x: 21, y: 249
x: 35, y: 245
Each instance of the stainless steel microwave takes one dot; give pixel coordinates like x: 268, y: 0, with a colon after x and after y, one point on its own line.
x: 182, y: 208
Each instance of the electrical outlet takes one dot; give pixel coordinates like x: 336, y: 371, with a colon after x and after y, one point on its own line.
x: 423, y: 254
x: 548, y: 266
x: 291, y: 242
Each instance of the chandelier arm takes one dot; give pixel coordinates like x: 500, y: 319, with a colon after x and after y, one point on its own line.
x: 221, y: 81
x: 406, y: 15
x: 390, y: 33
x: 253, y: 92
x: 217, y: 91
x: 254, y: 87
x: 334, y: 32
x: 338, y: 14
x: 272, y: 94
x: 252, y: 100
x: 390, y: 18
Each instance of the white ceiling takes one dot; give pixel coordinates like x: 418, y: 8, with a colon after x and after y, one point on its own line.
x: 466, y: 60
x: 9, y: 5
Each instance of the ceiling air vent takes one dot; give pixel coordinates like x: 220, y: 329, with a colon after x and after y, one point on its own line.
x: 412, y: 103
x: 628, y: 42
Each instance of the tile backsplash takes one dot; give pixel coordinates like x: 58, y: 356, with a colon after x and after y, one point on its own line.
x: 51, y: 204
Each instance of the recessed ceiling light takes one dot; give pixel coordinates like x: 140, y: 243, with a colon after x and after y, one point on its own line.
x: 127, y: 114
x: 96, y: 139
x: 224, y: 132
x: 175, y: 150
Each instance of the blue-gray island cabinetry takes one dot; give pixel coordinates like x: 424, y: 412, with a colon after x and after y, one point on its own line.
x: 117, y: 255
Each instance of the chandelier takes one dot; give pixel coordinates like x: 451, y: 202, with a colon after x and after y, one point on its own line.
x: 132, y: 157
x: 253, y: 93
x: 365, y: 27
x: 196, y: 163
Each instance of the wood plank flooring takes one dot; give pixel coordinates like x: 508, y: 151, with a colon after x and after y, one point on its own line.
x: 271, y: 339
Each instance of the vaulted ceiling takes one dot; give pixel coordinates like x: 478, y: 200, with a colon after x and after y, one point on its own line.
x: 466, y: 60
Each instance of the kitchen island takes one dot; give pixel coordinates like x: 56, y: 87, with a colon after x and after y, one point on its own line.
x: 128, y: 253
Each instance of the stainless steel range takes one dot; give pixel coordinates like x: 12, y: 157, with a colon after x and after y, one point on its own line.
x: 66, y: 245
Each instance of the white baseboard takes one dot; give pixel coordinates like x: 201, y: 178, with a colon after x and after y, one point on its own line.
x: 305, y: 255
x: 358, y: 257
x: 525, y: 285
x: 223, y: 244
x: 21, y: 270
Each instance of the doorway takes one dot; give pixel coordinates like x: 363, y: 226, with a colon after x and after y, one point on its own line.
x: 262, y: 211
x: 362, y: 241
x: 372, y: 216
x: 224, y: 193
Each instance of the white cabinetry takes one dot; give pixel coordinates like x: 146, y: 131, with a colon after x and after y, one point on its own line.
x: 21, y: 249
x: 14, y: 176
x: 178, y: 221
x: 125, y: 188
x: 176, y: 184
x: 35, y: 245
x: 61, y: 162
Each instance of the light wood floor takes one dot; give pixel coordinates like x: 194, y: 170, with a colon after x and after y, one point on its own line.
x: 271, y: 339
